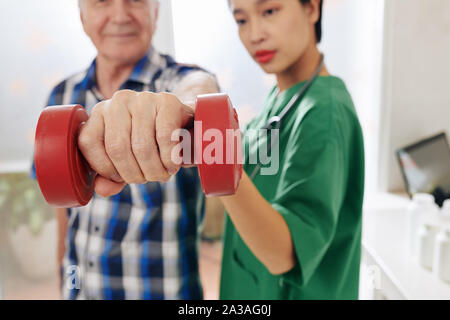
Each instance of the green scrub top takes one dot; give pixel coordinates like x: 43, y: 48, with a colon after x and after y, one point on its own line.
x: 318, y: 189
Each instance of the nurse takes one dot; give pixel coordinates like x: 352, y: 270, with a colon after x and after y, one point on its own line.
x: 296, y: 234
x: 291, y: 234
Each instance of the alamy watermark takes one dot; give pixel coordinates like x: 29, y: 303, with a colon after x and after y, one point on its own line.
x: 226, y: 148
x: 371, y: 276
x: 72, y: 279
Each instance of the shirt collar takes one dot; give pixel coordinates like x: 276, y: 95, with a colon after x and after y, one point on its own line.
x: 143, y: 71
x: 147, y: 67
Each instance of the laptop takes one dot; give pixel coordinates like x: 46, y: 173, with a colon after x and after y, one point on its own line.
x: 425, y: 166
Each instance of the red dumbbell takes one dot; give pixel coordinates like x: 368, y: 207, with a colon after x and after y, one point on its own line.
x: 66, y: 180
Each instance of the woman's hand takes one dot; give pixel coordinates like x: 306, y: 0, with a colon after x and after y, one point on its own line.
x: 127, y: 139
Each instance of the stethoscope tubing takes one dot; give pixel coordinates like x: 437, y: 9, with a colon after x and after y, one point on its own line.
x: 275, y: 121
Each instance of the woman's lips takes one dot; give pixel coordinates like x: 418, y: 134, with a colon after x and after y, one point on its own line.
x: 264, y: 56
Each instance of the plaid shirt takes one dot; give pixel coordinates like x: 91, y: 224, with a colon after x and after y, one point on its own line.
x: 143, y: 242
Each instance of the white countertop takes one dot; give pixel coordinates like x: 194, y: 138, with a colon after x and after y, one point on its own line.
x: 385, y: 243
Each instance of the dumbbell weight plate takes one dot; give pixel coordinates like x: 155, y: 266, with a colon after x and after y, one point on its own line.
x: 65, y: 178
x: 214, y: 111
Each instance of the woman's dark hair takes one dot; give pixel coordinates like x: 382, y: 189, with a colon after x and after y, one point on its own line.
x: 318, y: 25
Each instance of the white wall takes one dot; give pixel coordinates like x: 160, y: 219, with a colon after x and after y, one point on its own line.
x: 416, y: 79
x: 163, y: 40
x: 206, y: 34
x: 42, y: 43
x: 352, y: 44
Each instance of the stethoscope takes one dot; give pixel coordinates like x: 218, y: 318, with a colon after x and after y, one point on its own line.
x: 275, y: 121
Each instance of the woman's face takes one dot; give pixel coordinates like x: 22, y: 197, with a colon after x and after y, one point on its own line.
x: 276, y: 33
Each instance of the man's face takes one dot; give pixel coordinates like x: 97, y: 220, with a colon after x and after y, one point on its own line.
x: 121, y: 30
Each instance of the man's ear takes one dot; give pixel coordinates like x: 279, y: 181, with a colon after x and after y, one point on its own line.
x: 156, y: 15
x: 156, y: 10
x: 83, y: 22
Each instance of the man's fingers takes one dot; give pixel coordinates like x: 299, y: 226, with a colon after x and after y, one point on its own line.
x: 143, y: 139
x: 171, y: 116
x: 118, y: 137
x: 91, y: 145
x: 129, y: 137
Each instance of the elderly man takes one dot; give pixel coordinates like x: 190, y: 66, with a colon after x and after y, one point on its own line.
x: 142, y: 242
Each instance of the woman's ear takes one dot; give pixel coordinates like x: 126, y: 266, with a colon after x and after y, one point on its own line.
x: 313, y: 10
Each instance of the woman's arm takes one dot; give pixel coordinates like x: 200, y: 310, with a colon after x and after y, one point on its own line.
x: 261, y: 227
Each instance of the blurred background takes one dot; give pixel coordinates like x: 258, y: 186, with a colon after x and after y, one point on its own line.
x: 393, y: 55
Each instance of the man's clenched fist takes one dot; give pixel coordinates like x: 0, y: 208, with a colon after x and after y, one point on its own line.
x: 127, y: 138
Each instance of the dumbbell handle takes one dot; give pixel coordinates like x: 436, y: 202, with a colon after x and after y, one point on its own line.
x: 66, y: 179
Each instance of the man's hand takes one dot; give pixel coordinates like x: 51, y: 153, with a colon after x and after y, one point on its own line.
x: 127, y: 139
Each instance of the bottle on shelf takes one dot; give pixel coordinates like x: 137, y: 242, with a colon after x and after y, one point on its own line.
x: 426, y: 236
x: 441, y: 261
x: 446, y: 210
x: 422, y: 209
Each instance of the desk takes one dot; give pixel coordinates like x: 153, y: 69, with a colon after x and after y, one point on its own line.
x: 385, y: 250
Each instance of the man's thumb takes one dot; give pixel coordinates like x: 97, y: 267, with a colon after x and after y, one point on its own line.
x: 107, y: 188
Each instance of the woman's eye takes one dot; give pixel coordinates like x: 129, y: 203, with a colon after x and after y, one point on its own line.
x: 270, y: 12
x: 240, y: 20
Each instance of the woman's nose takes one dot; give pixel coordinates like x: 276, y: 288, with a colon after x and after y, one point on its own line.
x: 257, y: 33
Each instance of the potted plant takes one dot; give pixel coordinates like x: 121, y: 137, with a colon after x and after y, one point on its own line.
x: 30, y: 225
